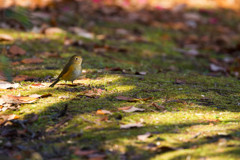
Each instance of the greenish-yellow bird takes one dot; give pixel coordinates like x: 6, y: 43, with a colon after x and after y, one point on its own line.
x: 71, y: 71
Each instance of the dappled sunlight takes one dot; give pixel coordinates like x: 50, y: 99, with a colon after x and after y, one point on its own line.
x: 156, y: 83
x: 29, y: 35
x: 104, y: 80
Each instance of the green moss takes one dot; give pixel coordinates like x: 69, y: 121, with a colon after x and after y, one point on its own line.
x: 200, y: 107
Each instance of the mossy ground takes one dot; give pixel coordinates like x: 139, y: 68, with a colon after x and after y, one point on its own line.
x: 201, y: 117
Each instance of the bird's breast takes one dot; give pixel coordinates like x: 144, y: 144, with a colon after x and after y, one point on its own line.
x: 73, y: 73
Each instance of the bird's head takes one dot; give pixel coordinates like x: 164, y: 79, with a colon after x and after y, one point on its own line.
x: 76, y: 60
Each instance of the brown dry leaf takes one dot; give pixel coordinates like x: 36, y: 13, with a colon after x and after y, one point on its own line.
x: 143, y: 137
x: 216, y: 68
x: 123, y: 98
x: 131, y: 109
x: 4, y: 118
x: 132, y: 125
x: 7, y: 85
x: 38, y: 85
x: 179, y: 81
x: 54, y: 30
x: 102, y: 112
x: 124, y: 108
x: 15, y: 50
x: 32, y: 60
x: 15, y: 63
x: 41, y: 96
x: 19, y: 78
x: 6, y: 37
x: 130, y: 99
x: 160, y: 107
x: 122, y: 31
x: 49, y: 54
x: 79, y: 152
x: 81, y: 32
x: 10, y: 99
x: 192, y: 16
x: 105, y: 119
x: 192, y: 52
x: 95, y: 93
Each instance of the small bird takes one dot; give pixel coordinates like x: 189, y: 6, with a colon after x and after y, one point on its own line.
x: 71, y: 71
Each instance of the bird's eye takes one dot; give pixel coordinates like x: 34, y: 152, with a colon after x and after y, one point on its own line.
x: 76, y: 58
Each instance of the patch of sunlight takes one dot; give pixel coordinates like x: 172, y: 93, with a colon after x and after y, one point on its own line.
x: 171, y: 118
x: 172, y: 155
x: 30, y: 35
x: 123, y: 88
x: 107, y: 79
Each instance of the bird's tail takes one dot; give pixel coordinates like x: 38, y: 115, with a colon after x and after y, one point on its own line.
x: 55, y: 82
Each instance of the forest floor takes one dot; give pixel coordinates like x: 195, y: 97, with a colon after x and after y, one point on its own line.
x: 156, y: 84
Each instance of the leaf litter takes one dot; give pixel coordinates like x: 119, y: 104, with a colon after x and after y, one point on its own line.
x: 130, y: 109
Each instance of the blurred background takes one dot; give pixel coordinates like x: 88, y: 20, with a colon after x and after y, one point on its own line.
x: 204, y: 29
x: 234, y: 4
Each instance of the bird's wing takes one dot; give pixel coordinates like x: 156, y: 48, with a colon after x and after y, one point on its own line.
x: 65, y: 71
x: 69, y: 73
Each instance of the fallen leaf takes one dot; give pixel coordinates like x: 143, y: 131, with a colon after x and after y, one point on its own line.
x: 19, y: 78
x: 95, y: 93
x: 216, y: 68
x: 40, y: 96
x: 15, y: 63
x: 7, y: 85
x: 38, y: 85
x: 63, y: 97
x: 192, y: 52
x: 141, y: 73
x: 105, y: 119
x: 192, y: 16
x: 5, y: 117
x: 143, y: 137
x: 79, y: 152
x: 6, y: 37
x: 49, y: 54
x: 179, y: 81
x: 32, y: 60
x: 81, y: 32
x: 160, y: 107
x: 132, y: 125
x: 17, y: 99
x: 130, y: 99
x: 15, y: 50
x: 122, y: 31
x: 130, y: 109
x: 102, y: 112
x: 54, y: 30
x: 124, y: 108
